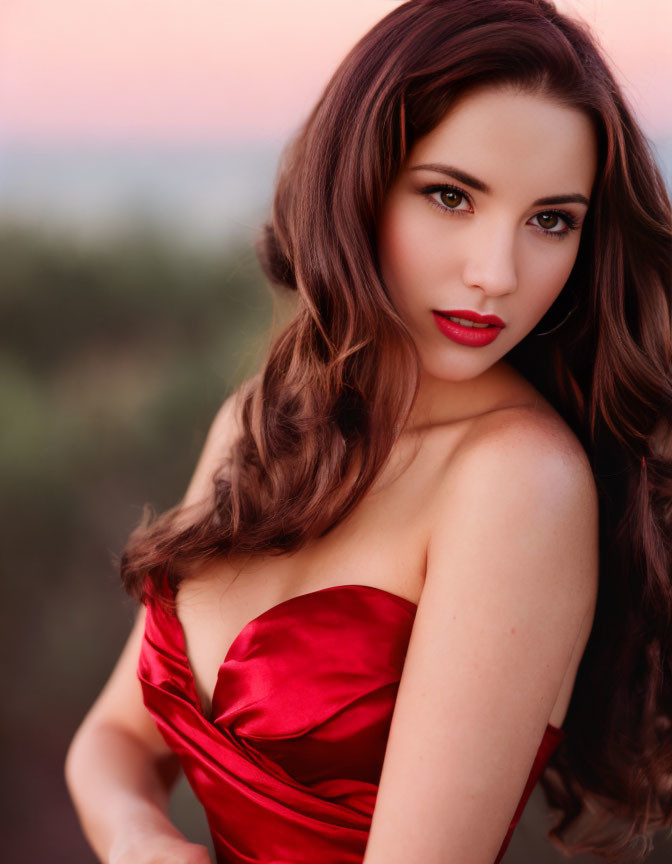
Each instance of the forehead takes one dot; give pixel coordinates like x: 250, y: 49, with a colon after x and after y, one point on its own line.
x: 495, y: 132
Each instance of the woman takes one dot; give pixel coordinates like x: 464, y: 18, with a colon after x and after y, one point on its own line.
x: 465, y: 421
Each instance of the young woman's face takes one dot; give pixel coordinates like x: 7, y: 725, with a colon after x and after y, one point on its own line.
x: 462, y: 228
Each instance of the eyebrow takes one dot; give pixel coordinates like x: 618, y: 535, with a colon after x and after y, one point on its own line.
x: 480, y: 186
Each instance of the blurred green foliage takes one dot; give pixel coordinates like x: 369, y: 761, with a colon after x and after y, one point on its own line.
x: 114, y: 358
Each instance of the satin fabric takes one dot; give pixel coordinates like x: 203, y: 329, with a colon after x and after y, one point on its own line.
x: 287, y: 767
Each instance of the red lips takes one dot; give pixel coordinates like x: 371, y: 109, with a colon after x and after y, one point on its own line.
x: 472, y: 316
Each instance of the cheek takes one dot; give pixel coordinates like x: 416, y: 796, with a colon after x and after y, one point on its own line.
x: 407, y: 254
x: 392, y: 252
x: 548, y: 276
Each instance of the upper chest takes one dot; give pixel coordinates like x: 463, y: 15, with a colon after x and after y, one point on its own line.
x: 382, y: 543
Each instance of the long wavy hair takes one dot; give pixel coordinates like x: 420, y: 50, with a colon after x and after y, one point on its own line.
x: 319, y: 420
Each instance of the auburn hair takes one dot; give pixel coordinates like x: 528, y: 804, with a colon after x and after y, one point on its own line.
x: 319, y: 419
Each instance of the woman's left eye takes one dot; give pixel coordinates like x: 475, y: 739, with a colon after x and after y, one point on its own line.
x: 450, y: 194
x: 569, y: 220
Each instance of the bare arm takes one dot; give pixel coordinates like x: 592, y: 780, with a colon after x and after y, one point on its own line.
x: 119, y: 770
x: 511, y: 577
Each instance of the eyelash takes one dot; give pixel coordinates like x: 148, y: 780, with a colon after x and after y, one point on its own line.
x: 570, y: 221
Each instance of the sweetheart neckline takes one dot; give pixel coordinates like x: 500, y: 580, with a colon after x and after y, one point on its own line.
x: 410, y: 604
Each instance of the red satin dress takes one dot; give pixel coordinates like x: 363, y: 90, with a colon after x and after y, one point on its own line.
x: 288, y: 766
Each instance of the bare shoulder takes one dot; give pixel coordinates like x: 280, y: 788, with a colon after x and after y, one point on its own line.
x: 524, y: 469
x: 544, y: 449
x: 224, y: 430
x: 520, y: 427
x: 509, y: 585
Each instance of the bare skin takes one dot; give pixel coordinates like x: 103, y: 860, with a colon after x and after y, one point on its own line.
x: 489, y: 257
x: 492, y: 257
x: 383, y: 543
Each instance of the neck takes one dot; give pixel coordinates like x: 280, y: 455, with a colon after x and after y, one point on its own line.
x: 440, y: 402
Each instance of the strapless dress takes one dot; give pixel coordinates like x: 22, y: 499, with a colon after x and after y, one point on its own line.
x: 287, y: 767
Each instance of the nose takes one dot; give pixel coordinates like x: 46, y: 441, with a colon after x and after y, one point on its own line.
x: 490, y: 262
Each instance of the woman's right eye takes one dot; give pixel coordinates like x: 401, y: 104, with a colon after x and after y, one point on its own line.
x: 447, y: 198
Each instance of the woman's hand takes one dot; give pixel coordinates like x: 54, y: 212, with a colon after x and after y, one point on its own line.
x: 157, y: 849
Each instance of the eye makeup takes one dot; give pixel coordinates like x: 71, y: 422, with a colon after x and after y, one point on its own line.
x: 571, y: 222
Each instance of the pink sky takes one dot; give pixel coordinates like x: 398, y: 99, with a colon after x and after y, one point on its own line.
x: 237, y: 69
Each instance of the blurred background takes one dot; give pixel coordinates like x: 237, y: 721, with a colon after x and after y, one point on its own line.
x: 138, y: 146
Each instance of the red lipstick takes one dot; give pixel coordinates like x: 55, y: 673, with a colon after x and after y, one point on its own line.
x: 472, y: 316
x: 463, y: 333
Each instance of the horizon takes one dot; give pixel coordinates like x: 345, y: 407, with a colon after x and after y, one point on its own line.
x: 202, y: 193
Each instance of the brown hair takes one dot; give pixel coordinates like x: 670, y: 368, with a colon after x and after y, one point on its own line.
x: 339, y: 378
